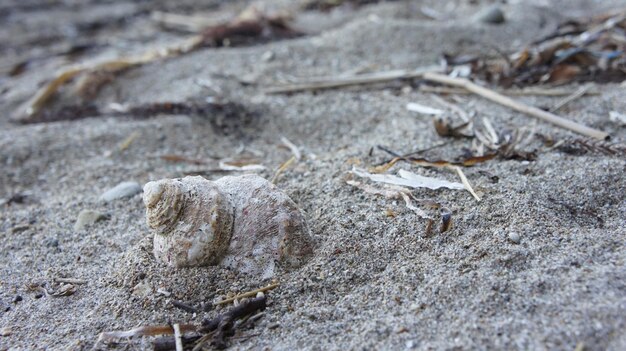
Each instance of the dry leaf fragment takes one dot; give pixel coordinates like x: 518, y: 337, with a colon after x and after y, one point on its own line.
x: 465, y: 162
x: 393, y: 192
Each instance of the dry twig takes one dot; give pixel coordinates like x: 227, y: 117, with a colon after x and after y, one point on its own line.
x: 248, y: 294
x: 336, y: 82
x: 518, y: 106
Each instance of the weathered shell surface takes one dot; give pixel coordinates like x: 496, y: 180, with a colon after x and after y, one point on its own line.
x: 191, y: 219
x: 242, y: 222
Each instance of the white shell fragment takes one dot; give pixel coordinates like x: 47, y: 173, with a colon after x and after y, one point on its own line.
x: 423, y: 109
x: 409, y: 179
x: 241, y: 222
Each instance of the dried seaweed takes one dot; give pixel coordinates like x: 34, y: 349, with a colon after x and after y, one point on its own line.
x: 223, y: 325
x: 515, y: 105
x: 444, y: 128
x: 465, y: 161
x: 581, y: 146
x: 591, y: 49
x: 58, y: 288
x: 398, y: 192
x: 224, y: 116
x: 507, y: 144
x: 327, y: 5
x: 250, y: 26
x: 217, y: 330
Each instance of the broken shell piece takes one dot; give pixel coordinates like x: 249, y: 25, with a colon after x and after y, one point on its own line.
x: 244, y: 223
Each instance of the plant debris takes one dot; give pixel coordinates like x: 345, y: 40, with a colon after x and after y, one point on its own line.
x: 406, y: 178
x: 224, y: 325
x: 398, y: 192
x: 224, y: 116
x: 250, y: 26
x: 216, y: 331
x: 444, y: 128
x: 592, y: 49
x: 515, y: 105
x: 581, y: 146
x: 248, y: 294
x: 58, y: 288
x: 465, y: 161
x: 327, y: 5
x: 508, y: 145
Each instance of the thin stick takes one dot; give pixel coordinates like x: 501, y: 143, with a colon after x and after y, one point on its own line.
x: 144, y: 331
x: 282, y: 168
x: 248, y: 294
x: 518, y: 106
x: 70, y: 281
x: 516, y: 92
x: 329, y: 83
x: 465, y: 182
x: 178, y: 337
x: 575, y: 95
x: 292, y: 147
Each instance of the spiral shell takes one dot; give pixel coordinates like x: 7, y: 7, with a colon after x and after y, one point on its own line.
x: 244, y: 223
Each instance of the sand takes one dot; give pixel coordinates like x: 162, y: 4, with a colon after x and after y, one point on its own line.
x: 376, y: 280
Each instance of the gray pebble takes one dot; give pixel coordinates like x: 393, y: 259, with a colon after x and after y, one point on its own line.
x: 87, y: 218
x: 142, y: 289
x: 122, y: 190
x: 51, y: 242
x: 492, y: 14
x: 514, y: 237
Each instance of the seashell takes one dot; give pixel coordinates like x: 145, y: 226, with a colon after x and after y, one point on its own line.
x: 241, y: 222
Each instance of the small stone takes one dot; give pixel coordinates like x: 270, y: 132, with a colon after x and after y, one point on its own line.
x: 122, y: 190
x: 514, y: 237
x: 17, y: 299
x: 142, y: 290
x: 51, y: 242
x: 267, y: 56
x: 87, y: 218
x: 492, y: 15
x: 6, y: 331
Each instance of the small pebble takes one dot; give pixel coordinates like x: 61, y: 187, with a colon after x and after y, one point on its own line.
x: 87, y: 218
x: 51, y: 242
x: 17, y: 299
x: 122, y: 190
x: 514, y: 237
x: 6, y: 331
x: 142, y: 290
x: 267, y: 56
x: 492, y: 15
